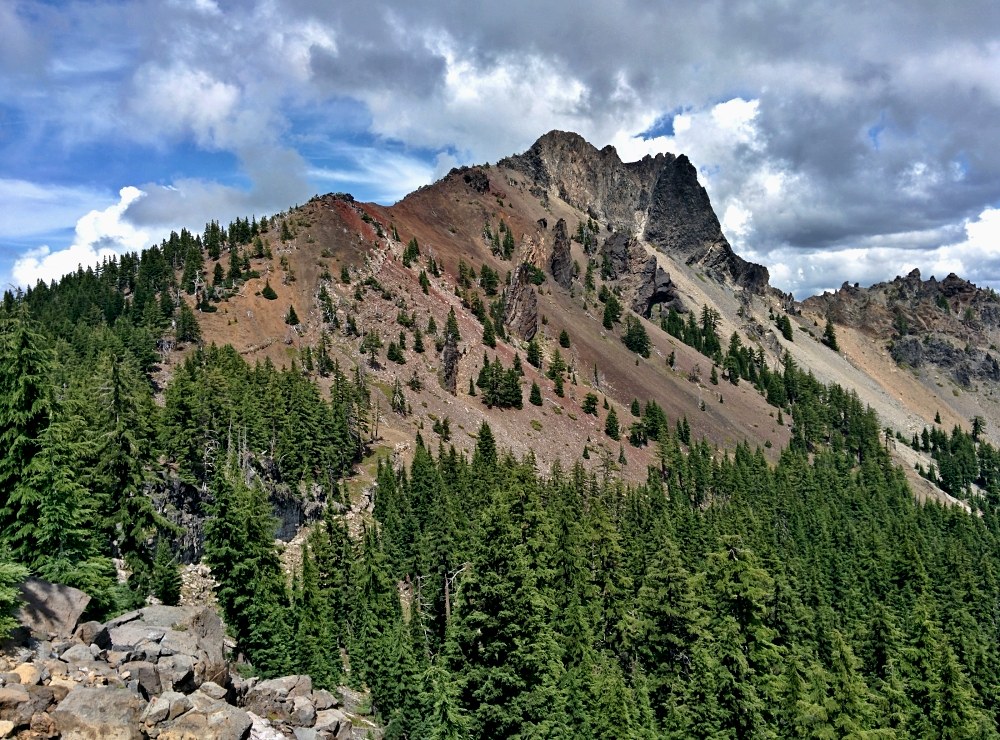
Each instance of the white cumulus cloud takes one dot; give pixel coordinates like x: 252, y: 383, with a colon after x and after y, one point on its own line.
x: 99, y: 234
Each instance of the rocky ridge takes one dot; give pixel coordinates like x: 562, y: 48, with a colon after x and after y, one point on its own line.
x: 948, y: 325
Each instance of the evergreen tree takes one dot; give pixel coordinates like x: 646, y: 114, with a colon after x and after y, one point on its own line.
x: 11, y: 577
x: 830, y: 336
x: 166, y: 576
x: 534, y: 354
x: 611, y: 425
x: 535, y: 397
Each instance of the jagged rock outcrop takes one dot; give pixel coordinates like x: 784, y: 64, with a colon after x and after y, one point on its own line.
x: 474, y: 177
x: 964, y: 366
x: 561, y: 262
x: 948, y: 324
x: 657, y: 199
x: 521, y: 302
x: 624, y: 259
x: 655, y: 288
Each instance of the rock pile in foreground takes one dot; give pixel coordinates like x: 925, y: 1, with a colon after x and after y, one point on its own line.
x: 160, y: 672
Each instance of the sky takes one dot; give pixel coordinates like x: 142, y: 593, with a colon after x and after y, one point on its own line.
x: 845, y: 141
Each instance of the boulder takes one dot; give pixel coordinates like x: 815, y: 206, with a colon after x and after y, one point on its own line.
x: 323, y: 699
x: 29, y: 673
x: 88, y: 632
x: 303, y: 712
x: 219, y: 721
x: 99, y: 712
x: 274, y: 698
x: 77, y: 654
x: 212, y: 689
x: 51, y: 609
x: 177, y: 673
x: 145, y: 673
x: 261, y: 729
x: 334, y: 722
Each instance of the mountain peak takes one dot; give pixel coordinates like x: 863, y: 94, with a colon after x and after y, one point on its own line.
x: 656, y: 199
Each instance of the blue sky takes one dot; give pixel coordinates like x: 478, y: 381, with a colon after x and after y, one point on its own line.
x: 838, y: 141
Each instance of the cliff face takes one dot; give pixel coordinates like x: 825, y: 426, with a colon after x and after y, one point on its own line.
x: 657, y: 199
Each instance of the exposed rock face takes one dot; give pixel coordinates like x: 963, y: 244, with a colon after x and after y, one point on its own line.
x: 626, y: 260
x: 616, y: 253
x: 521, y: 301
x: 655, y: 287
x: 561, y: 263
x: 964, y: 366
x: 657, y: 199
x: 474, y: 177
x: 947, y: 324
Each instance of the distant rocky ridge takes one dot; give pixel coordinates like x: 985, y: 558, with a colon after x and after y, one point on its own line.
x: 159, y: 672
x: 657, y: 199
x: 950, y: 324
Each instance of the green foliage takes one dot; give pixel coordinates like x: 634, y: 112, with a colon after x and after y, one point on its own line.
x: 166, y: 577
x: 611, y: 425
x: 535, y: 396
x: 564, y: 339
x: 11, y: 577
x: 268, y: 291
x: 830, y: 336
x: 501, y: 387
x: 291, y: 318
x: 635, y: 337
x: 612, y: 309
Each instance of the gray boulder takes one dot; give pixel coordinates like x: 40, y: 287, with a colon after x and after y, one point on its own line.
x: 51, y: 609
x: 219, y: 721
x: 99, y: 712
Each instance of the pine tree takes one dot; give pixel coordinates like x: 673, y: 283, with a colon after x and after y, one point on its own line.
x: 535, y: 397
x: 830, y: 336
x: 11, y: 577
x: 291, y: 318
x: 25, y: 412
x: 489, y: 336
x: 268, y: 291
x: 451, y: 327
x: 534, y: 354
x: 501, y: 647
x: 611, y: 425
x: 166, y: 577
